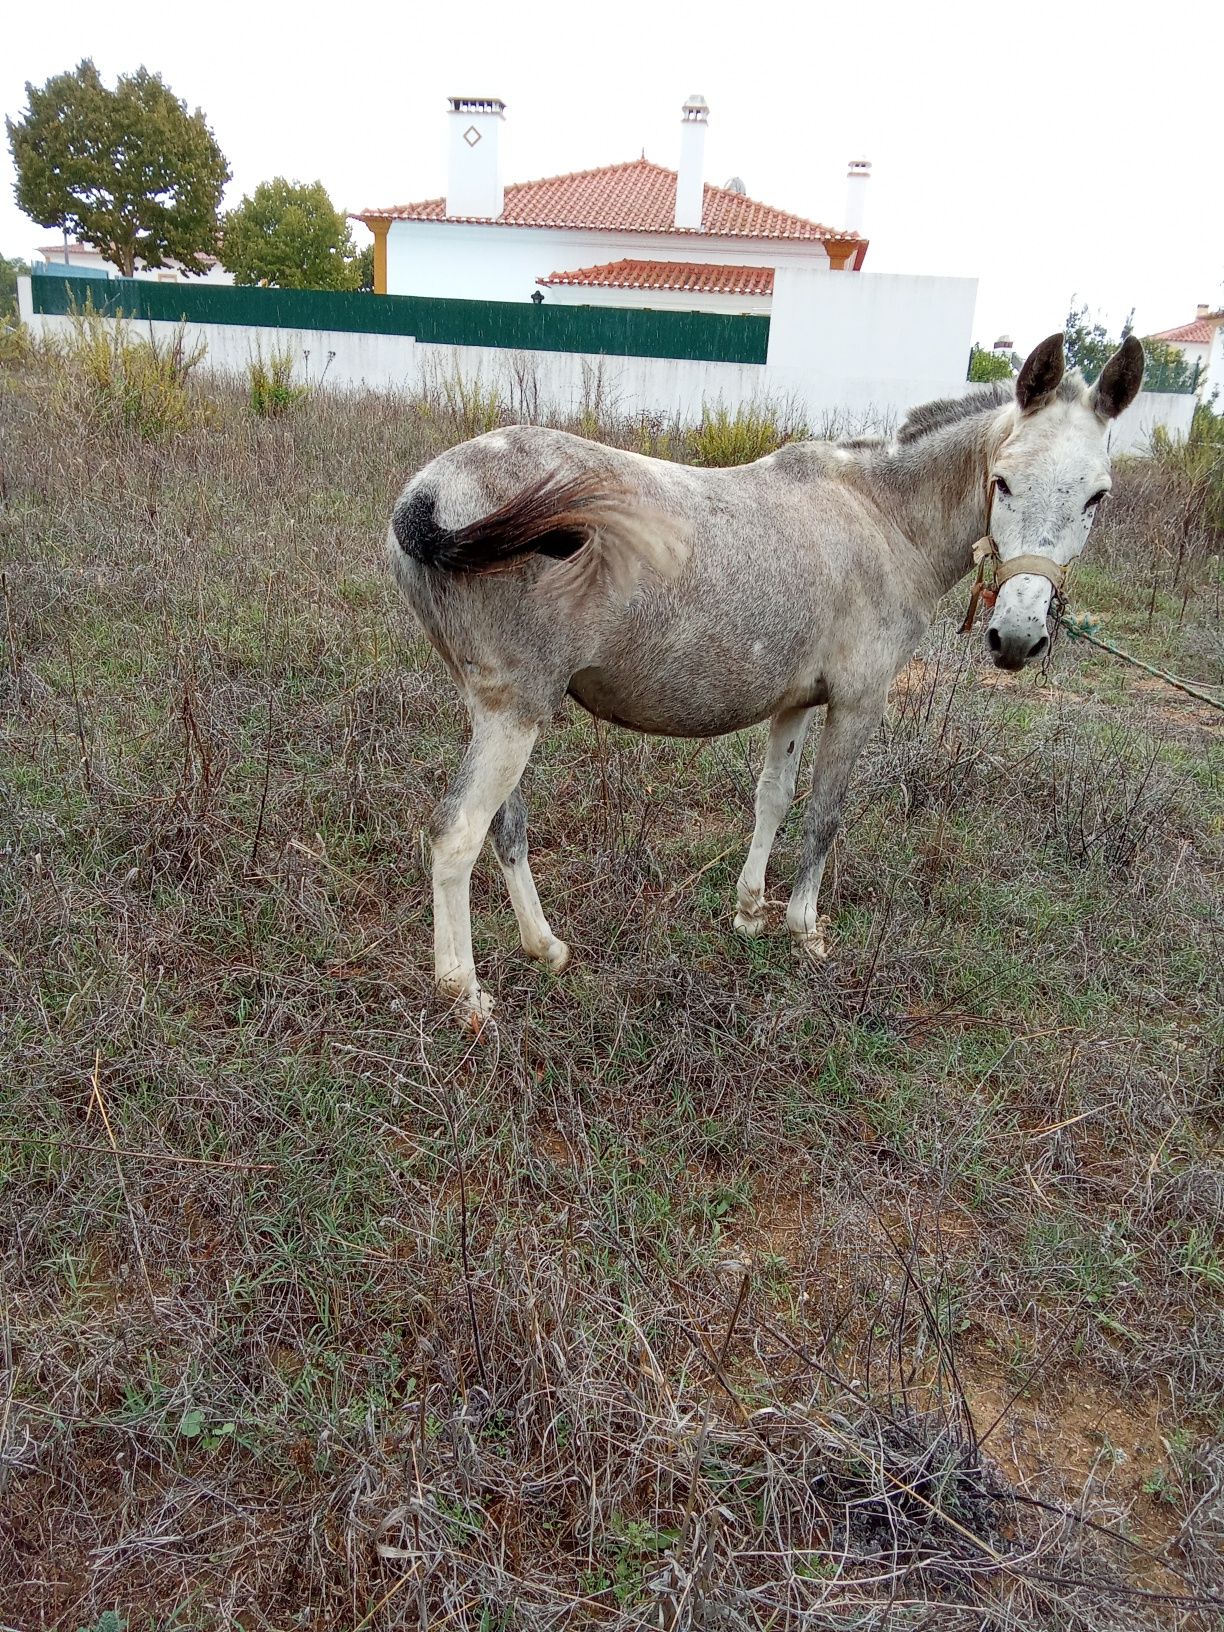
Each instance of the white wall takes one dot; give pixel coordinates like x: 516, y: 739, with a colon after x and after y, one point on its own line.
x: 1132, y: 431
x: 560, y: 382
x: 462, y: 261
x: 871, y: 341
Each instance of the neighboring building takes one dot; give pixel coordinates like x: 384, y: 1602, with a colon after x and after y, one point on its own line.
x: 1201, y: 344
x: 633, y: 234
x: 85, y: 258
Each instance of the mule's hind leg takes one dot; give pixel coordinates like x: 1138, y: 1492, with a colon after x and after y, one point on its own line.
x: 775, y: 791
x: 847, y: 729
x: 495, y: 760
x: 510, y: 843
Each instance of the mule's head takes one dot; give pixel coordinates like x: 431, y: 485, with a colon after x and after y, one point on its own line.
x: 1048, y: 476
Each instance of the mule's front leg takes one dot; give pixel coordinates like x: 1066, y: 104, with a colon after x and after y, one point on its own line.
x: 775, y: 791
x: 846, y: 731
x: 490, y: 772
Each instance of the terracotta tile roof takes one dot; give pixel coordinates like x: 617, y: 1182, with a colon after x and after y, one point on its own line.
x: 1197, y: 333
x: 687, y: 277
x: 635, y: 197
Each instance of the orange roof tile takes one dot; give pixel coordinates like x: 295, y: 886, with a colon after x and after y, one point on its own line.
x: 1197, y: 333
x: 635, y: 197
x: 687, y: 277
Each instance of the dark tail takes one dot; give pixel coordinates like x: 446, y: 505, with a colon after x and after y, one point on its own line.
x: 555, y: 516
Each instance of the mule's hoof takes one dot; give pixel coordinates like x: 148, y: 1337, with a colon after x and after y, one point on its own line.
x: 555, y: 954
x: 471, y: 1003
x: 811, y: 944
x: 750, y: 924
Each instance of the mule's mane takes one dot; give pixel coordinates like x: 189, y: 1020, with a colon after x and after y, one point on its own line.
x: 937, y: 416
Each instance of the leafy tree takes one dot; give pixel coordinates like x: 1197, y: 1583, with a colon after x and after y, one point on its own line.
x: 363, y: 267
x: 1087, y: 343
x: 1167, y: 368
x: 989, y: 365
x: 290, y: 235
x: 1089, y: 347
x: 10, y: 271
x: 129, y: 171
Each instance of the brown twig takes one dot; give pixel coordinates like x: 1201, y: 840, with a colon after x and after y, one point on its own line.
x: 98, y: 1098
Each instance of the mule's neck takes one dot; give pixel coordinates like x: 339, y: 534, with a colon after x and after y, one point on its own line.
x: 934, y: 491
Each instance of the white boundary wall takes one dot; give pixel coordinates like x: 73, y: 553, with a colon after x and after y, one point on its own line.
x: 1132, y: 432
x: 844, y: 353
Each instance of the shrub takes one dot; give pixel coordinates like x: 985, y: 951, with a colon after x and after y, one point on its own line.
x: 658, y: 437
x: 985, y: 366
x: 272, y: 390
x: 474, y: 407
x: 750, y: 433
x: 14, y: 340
x: 125, y: 381
x: 460, y: 407
x: 1194, y: 468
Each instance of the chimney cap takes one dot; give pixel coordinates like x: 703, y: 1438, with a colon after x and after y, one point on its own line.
x: 696, y: 107
x: 1003, y: 343
x: 477, y: 104
x: 859, y: 167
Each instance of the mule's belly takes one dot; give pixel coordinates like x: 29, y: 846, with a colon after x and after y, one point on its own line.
x: 695, y: 662
x: 695, y: 712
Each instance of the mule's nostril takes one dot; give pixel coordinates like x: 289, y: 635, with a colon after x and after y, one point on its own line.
x: 1038, y: 646
x: 994, y: 640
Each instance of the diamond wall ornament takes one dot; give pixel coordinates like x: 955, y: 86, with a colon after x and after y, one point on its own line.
x: 471, y: 135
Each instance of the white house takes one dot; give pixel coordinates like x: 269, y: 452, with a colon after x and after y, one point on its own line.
x: 85, y: 258
x: 1200, y: 342
x: 633, y: 234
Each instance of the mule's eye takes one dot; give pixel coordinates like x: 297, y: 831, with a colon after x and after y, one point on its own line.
x: 1002, y: 487
x: 1095, y: 500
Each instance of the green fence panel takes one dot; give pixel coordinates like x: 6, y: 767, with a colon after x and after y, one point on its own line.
x: 708, y: 337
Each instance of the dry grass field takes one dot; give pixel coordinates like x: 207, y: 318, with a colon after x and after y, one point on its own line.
x: 705, y: 1290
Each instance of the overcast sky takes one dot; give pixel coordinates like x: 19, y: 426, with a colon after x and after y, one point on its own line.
x: 1047, y: 150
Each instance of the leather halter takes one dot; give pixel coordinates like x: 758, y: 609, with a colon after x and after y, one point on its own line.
x: 986, y: 550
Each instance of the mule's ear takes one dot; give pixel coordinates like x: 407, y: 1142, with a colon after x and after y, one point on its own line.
x: 1042, y: 373
x: 1120, y: 380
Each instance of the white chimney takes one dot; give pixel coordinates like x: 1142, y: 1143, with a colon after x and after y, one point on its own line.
x: 690, y: 180
x: 474, y: 179
x: 857, y: 177
x: 1202, y: 311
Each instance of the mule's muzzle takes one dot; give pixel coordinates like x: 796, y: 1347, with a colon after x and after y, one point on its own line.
x: 1014, y: 649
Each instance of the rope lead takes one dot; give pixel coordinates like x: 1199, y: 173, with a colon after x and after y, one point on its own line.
x: 1086, y: 628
